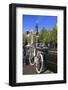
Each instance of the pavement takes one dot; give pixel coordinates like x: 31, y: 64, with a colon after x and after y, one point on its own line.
x: 27, y: 69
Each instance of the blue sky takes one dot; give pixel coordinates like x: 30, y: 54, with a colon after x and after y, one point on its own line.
x: 29, y: 22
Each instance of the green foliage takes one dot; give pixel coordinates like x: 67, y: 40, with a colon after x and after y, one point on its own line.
x: 49, y: 36
x: 43, y: 35
x: 54, y: 34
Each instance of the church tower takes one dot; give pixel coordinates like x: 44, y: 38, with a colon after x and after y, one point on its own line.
x: 36, y: 29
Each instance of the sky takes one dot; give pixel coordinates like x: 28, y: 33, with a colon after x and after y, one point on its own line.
x: 29, y: 22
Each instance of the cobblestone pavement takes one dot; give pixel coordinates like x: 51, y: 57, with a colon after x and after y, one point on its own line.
x: 27, y: 69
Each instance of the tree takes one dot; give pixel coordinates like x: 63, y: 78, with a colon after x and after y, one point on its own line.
x: 49, y: 36
x: 43, y: 36
x: 54, y: 35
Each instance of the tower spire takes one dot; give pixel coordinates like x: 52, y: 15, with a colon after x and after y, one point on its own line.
x: 36, y: 28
